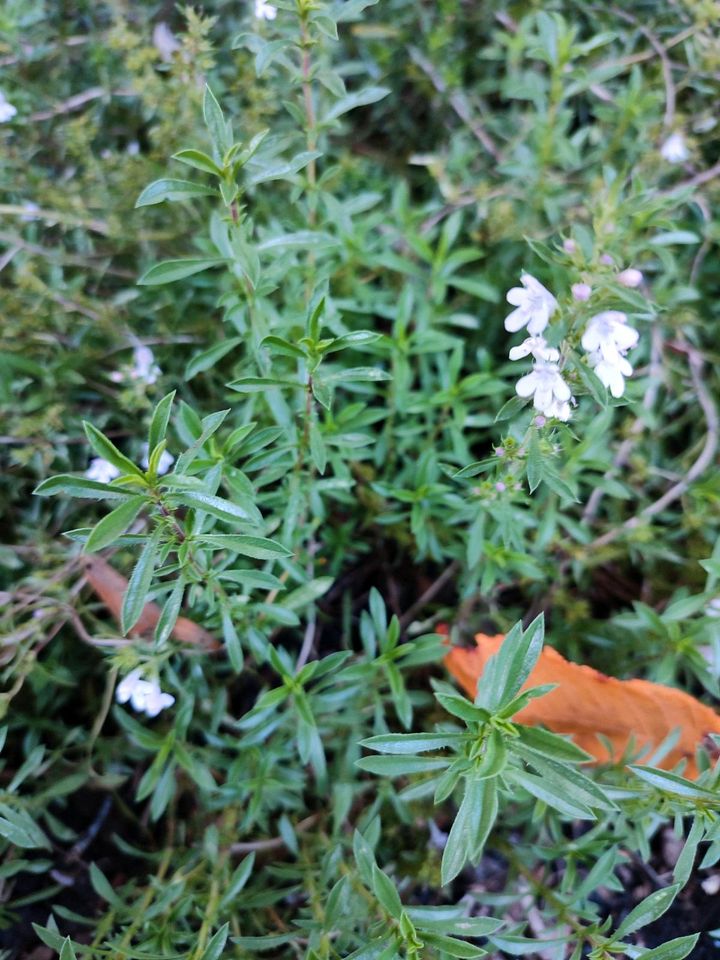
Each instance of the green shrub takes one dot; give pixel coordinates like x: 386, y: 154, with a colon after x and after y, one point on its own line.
x: 255, y: 263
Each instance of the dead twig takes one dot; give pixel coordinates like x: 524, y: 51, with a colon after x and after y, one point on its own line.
x: 701, y: 463
x: 430, y: 594
x: 77, y: 101
x: 273, y: 843
x: 621, y: 457
x: 457, y: 101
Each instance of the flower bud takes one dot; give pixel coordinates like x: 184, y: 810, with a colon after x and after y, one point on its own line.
x: 581, y: 291
x: 630, y: 277
x: 607, y: 260
x: 569, y: 246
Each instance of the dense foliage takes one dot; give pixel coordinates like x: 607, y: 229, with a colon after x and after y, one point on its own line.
x: 255, y: 259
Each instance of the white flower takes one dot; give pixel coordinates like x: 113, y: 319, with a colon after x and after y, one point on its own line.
x: 535, y: 305
x: 608, y: 334
x: 101, y: 470
x: 612, y: 373
x: 550, y: 393
x: 537, y: 346
x: 144, y: 367
x: 7, y: 110
x: 265, y: 11
x: 630, y: 277
x: 674, y: 149
x: 164, y: 464
x: 145, y: 696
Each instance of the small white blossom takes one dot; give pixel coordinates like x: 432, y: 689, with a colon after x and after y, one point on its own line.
x: 674, y: 149
x: 607, y: 339
x: 550, y: 393
x: 102, y: 471
x: 7, y: 110
x: 164, y: 464
x: 630, y: 277
x: 144, y: 367
x: 537, y: 346
x: 535, y: 305
x: 145, y: 696
x: 608, y: 334
x: 612, y: 373
x: 581, y: 291
x: 265, y: 11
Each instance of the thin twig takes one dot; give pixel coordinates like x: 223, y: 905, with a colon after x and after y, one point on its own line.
x: 273, y: 843
x: 457, y: 101
x: 307, y: 645
x: 669, y: 116
x: 621, y: 457
x: 431, y: 592
x: 79, y: 100
x: 699, y: 466
x: 703, y: 177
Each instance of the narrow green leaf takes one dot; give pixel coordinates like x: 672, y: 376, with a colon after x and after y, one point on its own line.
x: 409, y: 743
x: 171, y: 270
x: 260, y: 548
x: 108, y: 451
x: 360, y: 98
x: 198, y: 160
x: 208, y: 358
x: 114, y: 524
x: 401, y: 766
x: 160, y: 420
x: 647, y: 910
x: 73, y: 486
x: 386, y: 892
x: 451, y: 947
x: 139, y: 585
x: 215, y: 947
x: 508, y: 670
x: 215, y: 123
x: 676, y: 949
x: 260, y: 384
x: 672, y: 783
x: 462, y: 839
x: 283, y: 171
x: 171, y: 190
x: 215, y: 506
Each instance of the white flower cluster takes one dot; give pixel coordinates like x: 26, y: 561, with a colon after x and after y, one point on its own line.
x: 534, y: 306
x: 607, y: 339
x: 145, y: 696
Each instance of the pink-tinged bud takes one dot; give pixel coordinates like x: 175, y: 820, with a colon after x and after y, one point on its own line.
x: 607, y: 260
x: 581, y: 291
x: 500, y: 487
x: 499, y: 451
x: 569, y: 246
x: 630, y: 277
x: 540, y: 421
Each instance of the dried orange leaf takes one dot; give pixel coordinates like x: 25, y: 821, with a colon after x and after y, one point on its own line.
x: 588, y: 704
x: 110, y: 586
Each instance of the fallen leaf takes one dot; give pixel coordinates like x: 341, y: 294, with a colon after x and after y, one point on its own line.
x: 110, y: 586
x: 588, y: 704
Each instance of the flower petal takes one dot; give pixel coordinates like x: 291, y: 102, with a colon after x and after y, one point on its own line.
x: 527, y: 385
